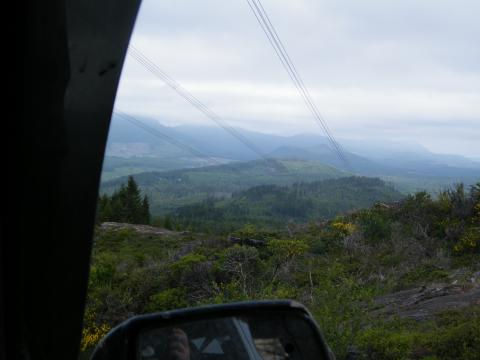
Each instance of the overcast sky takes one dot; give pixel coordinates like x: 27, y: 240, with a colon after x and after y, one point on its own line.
x: 389, y: 69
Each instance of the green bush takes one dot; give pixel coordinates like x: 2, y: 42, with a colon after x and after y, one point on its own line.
x: 377, y: 343
x: 187, y: 263
x: 450, y: 335
x: 458, y: 334
x: 422, y: 274
x: 376, y: 226
x: 458, y: 342
x: 167, y: 300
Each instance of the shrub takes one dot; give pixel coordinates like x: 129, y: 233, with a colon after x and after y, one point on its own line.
x: 469, y: 242
x: 457, y: 334
x: 187, y: 263
x: 376, y: 226
x: 92, y: 332
x: 376, y: 343
x: 451, y: 335
x: 421, y: 274
x: 168, y: 299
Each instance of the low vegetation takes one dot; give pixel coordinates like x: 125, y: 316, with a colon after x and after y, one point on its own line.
x: 338, y: 268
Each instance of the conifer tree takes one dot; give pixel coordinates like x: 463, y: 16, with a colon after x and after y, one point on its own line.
x: 118, y: 203
x: 167, y: 223
x: 145, y: 210
x: 133, y: 202
x: 125, y: 205
x: 104, y: 210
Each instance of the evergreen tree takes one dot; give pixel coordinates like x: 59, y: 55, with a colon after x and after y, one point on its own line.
x: 167, y: 224
x: 125, y: 205
x: 145, y: 210
x: 118, y: 203
x: 104, y: 209
x: 133, y: 202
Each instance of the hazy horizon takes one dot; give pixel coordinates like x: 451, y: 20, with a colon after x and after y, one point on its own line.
x: 373, y: 140
x: 396, y: 71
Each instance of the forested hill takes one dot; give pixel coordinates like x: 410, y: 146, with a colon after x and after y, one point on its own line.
x: 171, y: 189
x: 276, y: 205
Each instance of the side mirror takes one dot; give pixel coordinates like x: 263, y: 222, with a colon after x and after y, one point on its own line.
x: 254, y: 330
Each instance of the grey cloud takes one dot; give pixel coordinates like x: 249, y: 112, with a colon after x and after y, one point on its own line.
x: 415, y: 62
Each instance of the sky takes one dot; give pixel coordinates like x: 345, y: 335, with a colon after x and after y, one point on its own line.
x: 376, y: 69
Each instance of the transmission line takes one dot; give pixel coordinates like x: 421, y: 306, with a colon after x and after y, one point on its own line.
x: 266, y: 25
x: 159, y: 134
x: 184, y: 93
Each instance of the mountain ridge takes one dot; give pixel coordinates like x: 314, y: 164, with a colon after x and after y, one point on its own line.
x: 411, y: 166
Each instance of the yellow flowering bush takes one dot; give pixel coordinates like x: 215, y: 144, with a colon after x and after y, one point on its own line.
x: 344, y: 228
x: 476, y: 211
x: 469, y: 242
x: 92, y: 333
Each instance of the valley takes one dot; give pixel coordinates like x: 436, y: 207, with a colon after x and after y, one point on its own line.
x: 383, y: 250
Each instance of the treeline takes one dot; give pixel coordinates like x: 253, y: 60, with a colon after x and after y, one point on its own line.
x: 125, y: 205
x: 275, y: 205
x: 170, y: 189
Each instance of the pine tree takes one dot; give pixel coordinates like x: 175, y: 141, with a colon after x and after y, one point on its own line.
x: 104, y: 209
x: 167, y: 223
x: 125, y: 205
x: 133, y: 202
x: 118, y: 204
x: 145, y: 210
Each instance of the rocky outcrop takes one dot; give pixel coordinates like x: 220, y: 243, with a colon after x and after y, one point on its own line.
x: 423, y: 302
x: 142, y: 229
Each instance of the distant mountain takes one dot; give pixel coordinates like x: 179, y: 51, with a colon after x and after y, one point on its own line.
x: 170, y: 189
x: 291, y: 152
x: 379, y: 148
x: 276, y: 205
x: 116, y: 166
x: 407, y: 164
x: 218, y: 143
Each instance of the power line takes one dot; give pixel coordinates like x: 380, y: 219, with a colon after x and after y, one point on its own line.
x: 295, y: 73
x: 277, y: 44
x: 159, y: 134
x: 266, y: 25
x: 179, y: 89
